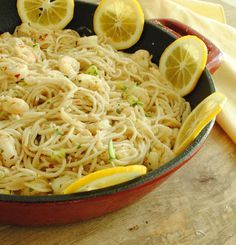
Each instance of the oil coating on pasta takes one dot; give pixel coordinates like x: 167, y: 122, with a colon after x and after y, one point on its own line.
x: 64, y: 97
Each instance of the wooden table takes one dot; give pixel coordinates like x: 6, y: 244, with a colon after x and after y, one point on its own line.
x: 197, y: 205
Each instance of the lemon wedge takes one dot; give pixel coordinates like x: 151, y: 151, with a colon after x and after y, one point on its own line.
x: 121, y: 21
x: 183, y: 62
x: 51, y: 14
x: 198, y: 119
x: 106, y: 177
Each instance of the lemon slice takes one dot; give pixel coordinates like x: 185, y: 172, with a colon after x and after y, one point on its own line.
x: 121, y: 21
x: 183, y: 62
x: 198, y: 119
x: 106, y: 177
x: 51, y: 14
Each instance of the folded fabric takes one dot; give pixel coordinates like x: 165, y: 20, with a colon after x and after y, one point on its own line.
x: 207, y: 9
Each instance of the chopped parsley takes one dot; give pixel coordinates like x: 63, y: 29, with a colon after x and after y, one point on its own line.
x: 148, y: 114
x: 118, y: 111
x: 124, y: 88
x: 57, y: 131
x: 133, y: 101
x: 92, y: 70
x: 58, y: 154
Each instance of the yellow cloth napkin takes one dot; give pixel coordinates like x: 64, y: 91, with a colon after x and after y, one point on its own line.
x: 207, y: 9
x: 208, y: 19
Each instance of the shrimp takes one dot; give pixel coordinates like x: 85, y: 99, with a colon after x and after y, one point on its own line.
x: 15, y: 70
x: 5, y: 35
x: 153, y: 158
x: 14, y: 41
x: 7, y: 148
x: 69, y: 66
x: 142, y: 57
x: 87, y: 81
x: 25, y: 53
x: 90, y: 40
x: 14, y: 105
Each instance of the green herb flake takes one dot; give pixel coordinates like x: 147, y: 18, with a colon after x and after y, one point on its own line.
x: 79, y: 146
x: 58, y: 132
x: 133, y: 101
x: 118, y: 111
x: 122, y: 87
x: 58, y: 154
x: 92, y: 70
x: 148, y: 114
x: 21, y: 82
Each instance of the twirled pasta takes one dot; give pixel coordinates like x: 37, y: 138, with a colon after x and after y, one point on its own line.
x: 64, y: 97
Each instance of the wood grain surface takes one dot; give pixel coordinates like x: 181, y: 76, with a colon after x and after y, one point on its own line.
x: 197, y: 205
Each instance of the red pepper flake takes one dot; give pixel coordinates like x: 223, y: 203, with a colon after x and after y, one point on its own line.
x: 42, y: 37
x: 42, y: 156
x: 17, y: 76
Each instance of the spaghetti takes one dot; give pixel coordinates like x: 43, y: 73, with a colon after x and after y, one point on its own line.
x: 63, y: 98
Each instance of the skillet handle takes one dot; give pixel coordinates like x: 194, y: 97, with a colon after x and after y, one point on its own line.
x: 178, y: 29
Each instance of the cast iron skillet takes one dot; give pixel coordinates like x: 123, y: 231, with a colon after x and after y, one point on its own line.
x: 58, y: 209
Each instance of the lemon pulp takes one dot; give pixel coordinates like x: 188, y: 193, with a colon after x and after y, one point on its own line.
x: 198, y: 119
x: 183, y: 62
x: 106, y: 177
x: 49, y: 14
x: 121, y: 21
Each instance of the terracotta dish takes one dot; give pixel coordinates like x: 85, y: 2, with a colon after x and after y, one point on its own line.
x: 61, y: 209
